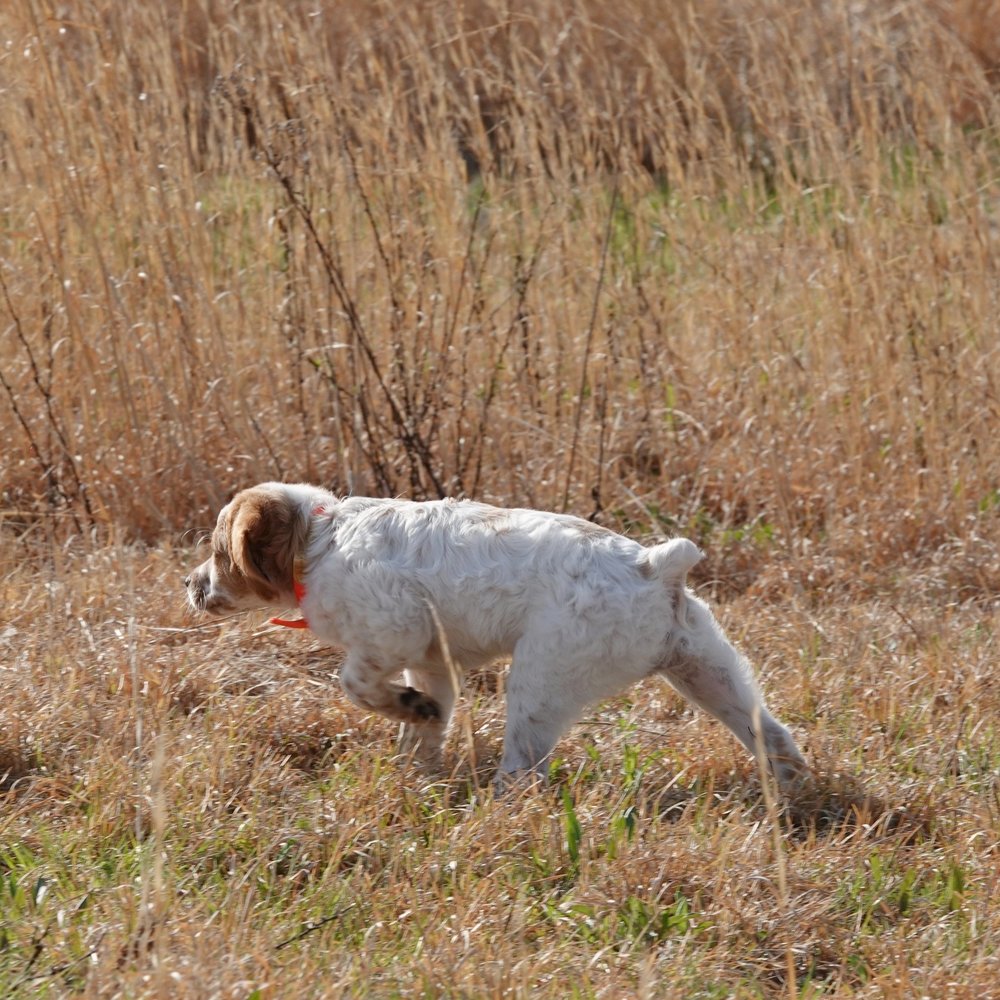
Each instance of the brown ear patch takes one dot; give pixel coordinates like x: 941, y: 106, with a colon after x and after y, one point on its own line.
x: 266, y: 532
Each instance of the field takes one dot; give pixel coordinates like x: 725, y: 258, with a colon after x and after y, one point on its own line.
x: 726, y: 270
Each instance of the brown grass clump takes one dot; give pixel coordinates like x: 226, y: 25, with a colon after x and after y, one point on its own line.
x: 720, y: 269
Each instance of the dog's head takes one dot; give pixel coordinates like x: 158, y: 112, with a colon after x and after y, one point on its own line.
x: 256, y: 539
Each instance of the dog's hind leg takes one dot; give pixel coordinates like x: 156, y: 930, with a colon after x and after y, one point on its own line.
x: 708, y: 670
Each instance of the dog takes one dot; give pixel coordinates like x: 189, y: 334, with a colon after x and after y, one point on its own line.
x: 420, y: 589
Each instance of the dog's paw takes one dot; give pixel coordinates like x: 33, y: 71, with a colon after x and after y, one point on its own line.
x: 423, y: 743
x: 523, y: 781
x: 419, y: 706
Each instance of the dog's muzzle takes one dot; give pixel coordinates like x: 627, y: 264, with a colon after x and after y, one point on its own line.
x: 196, y: 595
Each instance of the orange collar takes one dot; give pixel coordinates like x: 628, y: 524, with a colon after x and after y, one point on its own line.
x: 298, y: 572
x: 300, y: 593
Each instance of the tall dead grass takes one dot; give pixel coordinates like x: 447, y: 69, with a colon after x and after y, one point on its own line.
x: 713, y: 268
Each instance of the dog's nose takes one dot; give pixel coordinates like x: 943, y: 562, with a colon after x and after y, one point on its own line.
x: 187, y: 581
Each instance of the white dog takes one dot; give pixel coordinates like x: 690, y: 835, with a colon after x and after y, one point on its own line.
x: 415, y: 588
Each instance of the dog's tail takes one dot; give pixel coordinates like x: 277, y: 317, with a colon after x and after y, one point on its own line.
x: 670, y: 562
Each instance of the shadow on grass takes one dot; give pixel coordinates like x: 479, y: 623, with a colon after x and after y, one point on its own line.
x: 837, y: 805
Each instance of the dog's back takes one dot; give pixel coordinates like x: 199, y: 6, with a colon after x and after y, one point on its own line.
x: 487, y: 575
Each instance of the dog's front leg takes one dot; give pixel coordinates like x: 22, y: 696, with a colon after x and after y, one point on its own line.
x: 424, y: 740
x: 368, y: 684
x: 540, y: 708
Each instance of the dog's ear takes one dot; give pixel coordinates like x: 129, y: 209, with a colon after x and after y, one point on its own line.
x: 266, y: 532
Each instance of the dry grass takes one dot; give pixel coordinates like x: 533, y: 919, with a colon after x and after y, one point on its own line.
x: 721, y: 269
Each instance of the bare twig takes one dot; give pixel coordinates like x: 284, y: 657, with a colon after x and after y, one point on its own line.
x: 581, y: 392
x: 311, y: 928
